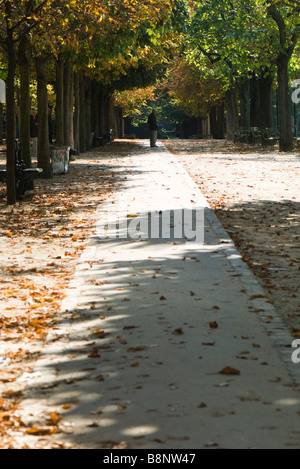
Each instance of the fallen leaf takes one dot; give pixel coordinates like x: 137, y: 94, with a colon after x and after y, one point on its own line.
x: 139, y: 348
x: 55, y: 418
x: 101, y: 377
x: 122, y: 406
x: 178, y: 331
x: 159, y: 440
x: 41, y: 431
x: 202, y: 405
x: 94, y: 353
x: 228, y: 370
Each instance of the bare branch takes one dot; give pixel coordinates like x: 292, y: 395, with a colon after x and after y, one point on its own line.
x: 277, y: 17
x: 28, y: 17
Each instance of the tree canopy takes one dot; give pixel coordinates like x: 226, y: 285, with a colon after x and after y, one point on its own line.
x: 203, y: 53
x: 119, y: 44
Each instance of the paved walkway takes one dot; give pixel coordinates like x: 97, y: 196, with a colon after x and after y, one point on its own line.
x: 149, y: 324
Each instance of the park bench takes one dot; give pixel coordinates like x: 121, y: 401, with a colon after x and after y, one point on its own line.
x: 270, y: 137
x: 98, y: 142
x: 24, y: 176
x: 242, y: 136
x: 104, y: 140
x: 255, y: 135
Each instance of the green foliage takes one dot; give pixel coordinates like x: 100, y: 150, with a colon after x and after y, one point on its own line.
x: 235, y: 36
x: 229, y: 42
x: 139, y: 103
x: 106, y: 38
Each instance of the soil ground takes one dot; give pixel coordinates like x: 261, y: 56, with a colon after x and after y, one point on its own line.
x: 41, y: 239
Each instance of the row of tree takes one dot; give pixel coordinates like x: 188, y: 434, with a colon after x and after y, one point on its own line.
x: 86, y: 50
x: 210, y: 56
x: 234, y: 54
x: 237, y: 50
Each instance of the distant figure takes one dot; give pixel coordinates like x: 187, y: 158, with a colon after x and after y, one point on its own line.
x: 34, y: 133
x: 153, y: 127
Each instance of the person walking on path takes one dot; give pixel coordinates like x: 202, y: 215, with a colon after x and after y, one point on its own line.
x: 153, y: 127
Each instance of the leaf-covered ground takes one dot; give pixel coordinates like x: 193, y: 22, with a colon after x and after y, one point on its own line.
x: 41, y: 239
x: 255, y: 193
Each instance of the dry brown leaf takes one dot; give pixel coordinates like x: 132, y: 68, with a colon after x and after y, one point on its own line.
x: 139, y: 348
x: 178, y: 331
x: 101, y: 377
x: 67, y: 406
x: 213, y: 325
x: 122, y: 406
x: 228, y: 370
x: 41, y: 431
x: 55, y: 418
x: 94, y: 353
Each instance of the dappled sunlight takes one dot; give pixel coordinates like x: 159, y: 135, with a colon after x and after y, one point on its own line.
x: 218, y: 148
x: 140, y: 431
x: 144, y: 319
x: 288, y: 402
x: 159, y: 338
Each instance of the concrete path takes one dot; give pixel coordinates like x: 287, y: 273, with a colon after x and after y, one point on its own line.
x: 165, y: 343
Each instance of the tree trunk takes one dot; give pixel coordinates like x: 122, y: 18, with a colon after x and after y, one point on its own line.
x: 68, y: 104
x: 120, y: 120
x: 220, y: 122
x: 254, y: 103
x: 288, y: 45
x: 286, y: 143
x: 245, y: 104
x: 95, y: 109
x: 77, y: 113
x: 82, y: 115
x: 232, y: 113
x: 110, y: 113
x: 266, y: 111
x: 10, y: 124
x: 71, y: 108
x: 217, y: 122
x: 213, y: 122
x: 60, y: 128
x: 43, y: 137
x: 24, y: 57
x: 88, y: 103
x: 103, y: 125
x: 116, y: 123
